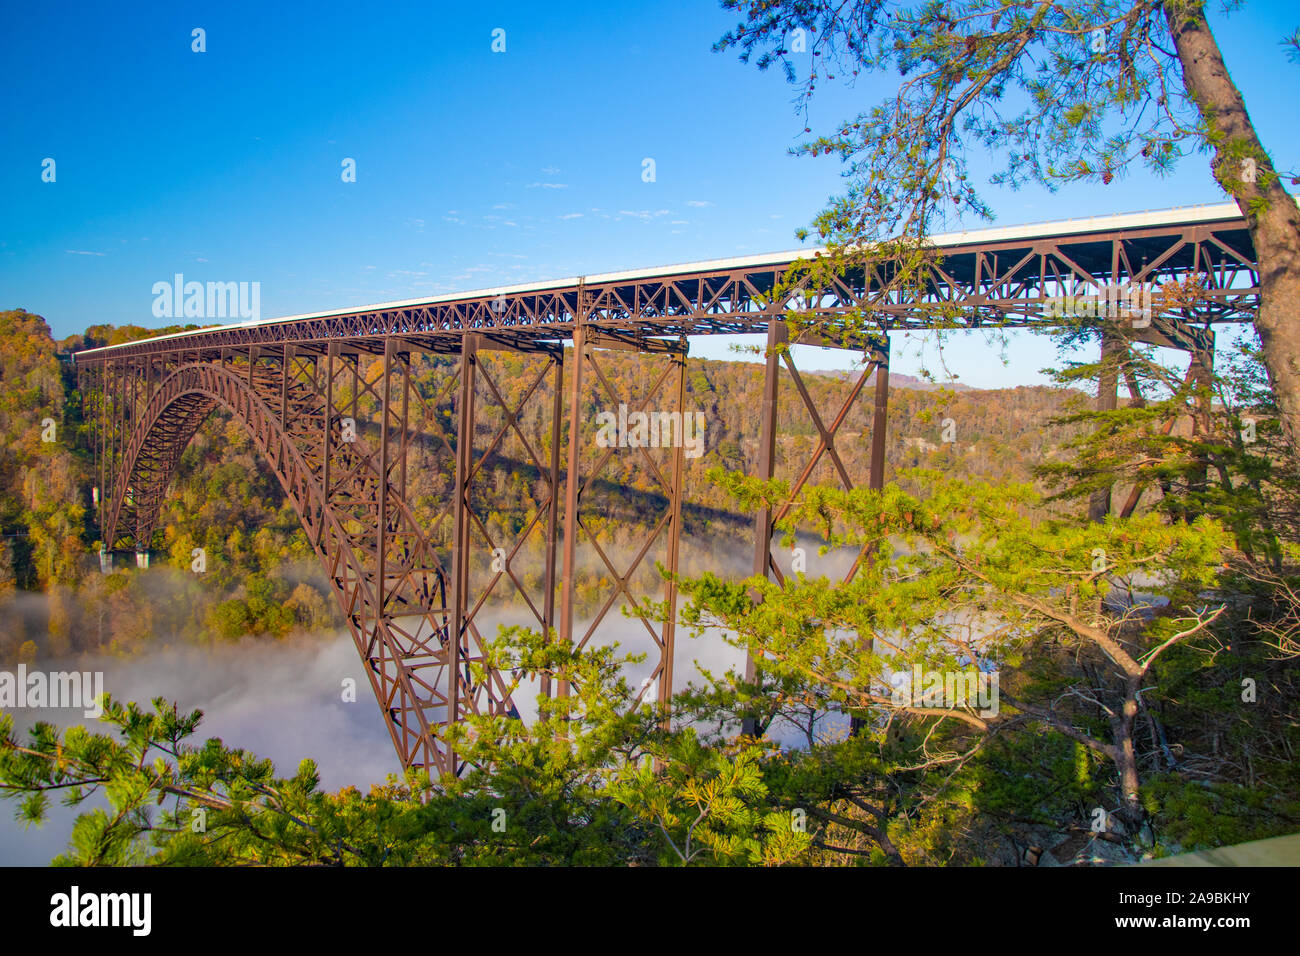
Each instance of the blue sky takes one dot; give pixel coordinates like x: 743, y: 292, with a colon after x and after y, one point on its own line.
x: 474, y: 168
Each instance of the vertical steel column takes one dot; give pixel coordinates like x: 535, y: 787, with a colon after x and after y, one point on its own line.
x: 405, y: 359
x: 101, y: 444
x: 1201, y: 371
x: 353, y: 361
x: 110, y: 427
x: 381, y: 531
x: 776, y: 333
x: 331, y: 350
x: 674, y: 534
x: 876, y: 480
x: 119, y: 406
x: 285, y: 363
x: 573, y: 476
x: 141, y: 516
x: 552, y: 518
x: 128, y: 400
x: 460, y: 530
x: 880, y: 419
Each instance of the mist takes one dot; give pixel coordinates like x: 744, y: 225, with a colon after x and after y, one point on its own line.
x: 283, y: 699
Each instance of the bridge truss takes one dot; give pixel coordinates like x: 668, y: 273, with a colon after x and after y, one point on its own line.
x: 384, y: 424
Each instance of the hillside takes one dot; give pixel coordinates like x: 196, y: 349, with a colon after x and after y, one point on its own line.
x: 262, y: 577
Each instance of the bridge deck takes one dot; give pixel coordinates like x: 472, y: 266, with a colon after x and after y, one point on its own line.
x: 989, y: 276
x: 386, y: 459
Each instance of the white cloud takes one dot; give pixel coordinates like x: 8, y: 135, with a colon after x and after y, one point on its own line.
x: 698, y: 202
x: 645, y: 215
x: 82, y: 252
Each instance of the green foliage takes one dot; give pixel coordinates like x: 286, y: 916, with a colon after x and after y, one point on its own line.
x: 965, y: 577
x: 1082, y: 621
x: 1202, y: 814
x: 1071, y: 90
x: 1188, y: 441
x: 568, y: 789
x: 1055, y: 92
x: 711, y: 806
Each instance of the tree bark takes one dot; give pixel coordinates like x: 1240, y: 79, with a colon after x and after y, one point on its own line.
x: 1127, y: 766
x: 1274, y: 228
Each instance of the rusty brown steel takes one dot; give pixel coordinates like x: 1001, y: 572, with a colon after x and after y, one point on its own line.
x: 733, y: 299
x: 410, y: 603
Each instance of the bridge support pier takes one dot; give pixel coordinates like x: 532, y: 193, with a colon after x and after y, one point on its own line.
x: 460, y: 534
x: 778, y: 341
x: 776, y: 335
x: 1170, y: 333
x: 571, y: 482
x: 584, y: 471
x: 1113, y: 348
x: 309, y: 393
x: 553, y: 512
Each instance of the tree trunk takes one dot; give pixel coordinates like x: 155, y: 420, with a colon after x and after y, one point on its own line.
x: 1131, y: 811
x: 1274, y: 228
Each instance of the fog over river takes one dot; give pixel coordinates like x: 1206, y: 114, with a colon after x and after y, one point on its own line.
x: 282, y: 700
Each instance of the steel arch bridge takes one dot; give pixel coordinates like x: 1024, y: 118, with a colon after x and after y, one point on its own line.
x: 383, y: 467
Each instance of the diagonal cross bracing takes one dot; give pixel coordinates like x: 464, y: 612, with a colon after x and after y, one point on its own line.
x: 371, y: 418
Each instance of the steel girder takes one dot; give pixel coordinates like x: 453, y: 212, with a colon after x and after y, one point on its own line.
x: 341, y: 427
x: 1005, y: 282
x: 627, y: 577
x: 342, y: 466
x: 329, y: 402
